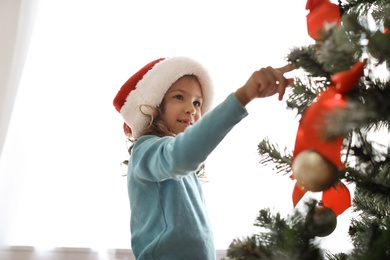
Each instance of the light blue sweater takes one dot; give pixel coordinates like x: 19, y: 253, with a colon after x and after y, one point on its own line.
x: 169, y: 219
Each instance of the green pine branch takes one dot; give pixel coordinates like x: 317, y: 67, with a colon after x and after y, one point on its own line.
x: 271, y: 154
x: 371, y: 238
x: 279, y: 238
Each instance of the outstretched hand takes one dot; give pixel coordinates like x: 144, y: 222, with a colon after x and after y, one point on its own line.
x: 264, y: 83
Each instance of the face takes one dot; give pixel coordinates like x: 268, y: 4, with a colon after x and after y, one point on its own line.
x: 182, y: 104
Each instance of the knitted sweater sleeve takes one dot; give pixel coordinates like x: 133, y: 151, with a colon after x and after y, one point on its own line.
x: 160, y: 158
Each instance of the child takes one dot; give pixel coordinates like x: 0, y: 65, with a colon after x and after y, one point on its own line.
x: 164, y: 107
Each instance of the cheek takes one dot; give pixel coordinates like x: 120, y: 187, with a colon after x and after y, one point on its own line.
x: 198, y: 115
x: 166, y: 110
x: 164, y: 116
x: 169, y: 114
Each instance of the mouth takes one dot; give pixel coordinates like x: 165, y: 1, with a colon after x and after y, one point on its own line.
x: 184, y: 121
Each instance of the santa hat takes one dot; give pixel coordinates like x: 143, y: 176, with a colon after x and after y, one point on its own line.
x: 149, y: 85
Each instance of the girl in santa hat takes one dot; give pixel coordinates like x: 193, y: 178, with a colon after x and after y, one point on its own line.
x: 164, y: 107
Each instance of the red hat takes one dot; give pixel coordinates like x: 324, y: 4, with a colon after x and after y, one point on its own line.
x: 149, y: 85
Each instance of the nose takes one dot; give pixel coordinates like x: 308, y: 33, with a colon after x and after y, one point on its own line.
x: 190, y: 109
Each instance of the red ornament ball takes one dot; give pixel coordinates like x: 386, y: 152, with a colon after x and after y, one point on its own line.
x: 313, y: 172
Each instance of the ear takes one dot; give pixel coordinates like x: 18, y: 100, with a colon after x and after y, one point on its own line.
x: 127, y: 130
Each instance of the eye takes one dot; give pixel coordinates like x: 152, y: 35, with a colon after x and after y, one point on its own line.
x: 197, y: 103
x: 180, y: 97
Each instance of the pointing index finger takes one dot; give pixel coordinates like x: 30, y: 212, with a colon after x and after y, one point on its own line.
x: 287, y: 68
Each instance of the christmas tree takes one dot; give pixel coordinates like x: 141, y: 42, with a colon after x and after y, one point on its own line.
x: 343, y: 107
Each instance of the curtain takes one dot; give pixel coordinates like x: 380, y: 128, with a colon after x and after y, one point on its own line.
x: 16, y: 25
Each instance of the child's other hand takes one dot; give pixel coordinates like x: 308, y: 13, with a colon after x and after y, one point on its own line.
x: 264, y: 83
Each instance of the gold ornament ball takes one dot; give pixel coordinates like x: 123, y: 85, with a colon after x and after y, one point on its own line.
x: 313, y: 172
x: 322, y: 222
